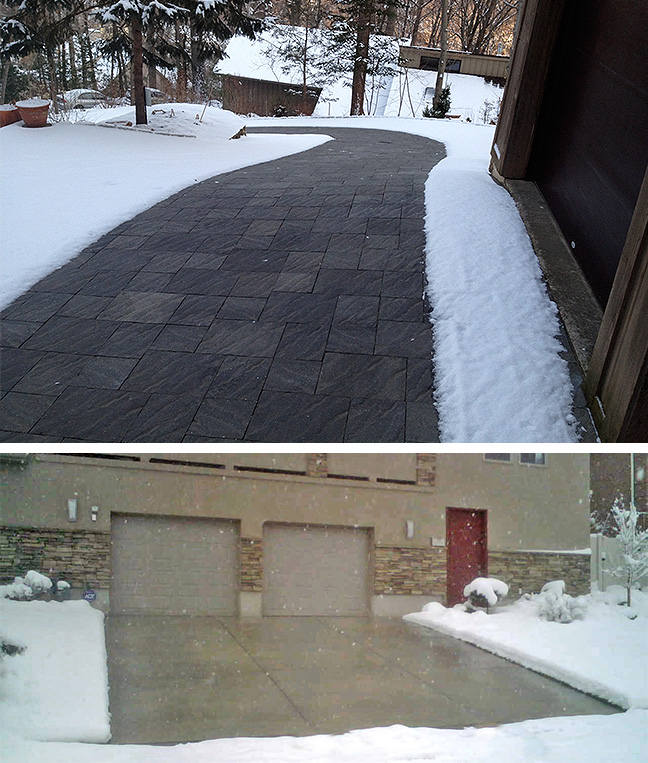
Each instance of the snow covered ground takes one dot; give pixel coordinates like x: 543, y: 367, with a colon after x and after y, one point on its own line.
x: 604, y: 654
x: 582, y: 739
x: 63, y: 187
x: 56, y: 690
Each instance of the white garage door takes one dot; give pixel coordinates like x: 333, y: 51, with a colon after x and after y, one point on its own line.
x: 315, y: 570
x: 167, y: 565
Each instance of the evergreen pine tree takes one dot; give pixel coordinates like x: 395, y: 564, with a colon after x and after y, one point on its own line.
x: 211, y: 24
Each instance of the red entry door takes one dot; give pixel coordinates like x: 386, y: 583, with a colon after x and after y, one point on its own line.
x: 467, y: 550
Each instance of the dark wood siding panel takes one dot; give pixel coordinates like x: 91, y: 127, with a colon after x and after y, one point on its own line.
x: 591, y: 149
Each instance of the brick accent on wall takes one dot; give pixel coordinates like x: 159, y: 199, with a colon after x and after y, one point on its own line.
x: 79, y: 557
x: 251, y: 565
x: 409, y: 570
x: 529, y: 571
x: 316, y: 465
x: 426, y: 469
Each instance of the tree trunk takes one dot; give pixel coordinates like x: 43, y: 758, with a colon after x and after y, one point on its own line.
x: 93, y: 73
x: 181, y: 84
x: 62, y: 70
x: 74, y: 72
x: 305, y: 68
x: 138, y: 70
x: 84, y: 61
x: 51, y: 79
x: 197, y: 66
x: 360, y: 63
x: 417, y: 21
x: 3, y: 80
x: 152, y: 71
x: 444, y: 54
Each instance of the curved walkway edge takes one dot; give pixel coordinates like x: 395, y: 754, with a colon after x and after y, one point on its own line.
x: 278, y: 303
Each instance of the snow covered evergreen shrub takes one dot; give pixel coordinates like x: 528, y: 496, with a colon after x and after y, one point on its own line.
x: 483, y: 593
x: 557, y: 606
x: 443, y: 107
x: 32, y: 586
x: 9, y: 649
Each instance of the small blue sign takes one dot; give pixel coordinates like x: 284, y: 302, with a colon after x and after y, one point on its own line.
x: 90, y: 595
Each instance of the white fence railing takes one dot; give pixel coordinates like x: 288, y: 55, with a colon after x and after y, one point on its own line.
x: 606, y: 556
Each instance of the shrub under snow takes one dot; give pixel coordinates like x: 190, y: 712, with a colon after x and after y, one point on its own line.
x: 485, y: 592
x: 32, y: 585
x: 556, y: 606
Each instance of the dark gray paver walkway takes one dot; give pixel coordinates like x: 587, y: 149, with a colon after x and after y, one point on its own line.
x: 279, y: 303
x: 183, y: 679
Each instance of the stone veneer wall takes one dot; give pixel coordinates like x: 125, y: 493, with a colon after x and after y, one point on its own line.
x: 251, y: 565
x: 416, y: 571
x: 80, y: 557
x: 528, y: 571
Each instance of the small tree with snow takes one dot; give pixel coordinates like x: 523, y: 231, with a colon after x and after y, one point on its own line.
x: 557, y: 606
x: 634, y: 545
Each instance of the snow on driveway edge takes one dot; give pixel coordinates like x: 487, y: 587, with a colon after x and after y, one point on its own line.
x: 537, y: 664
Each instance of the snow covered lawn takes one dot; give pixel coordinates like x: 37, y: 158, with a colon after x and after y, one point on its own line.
x: 57, y: 689
x: 605, y: 654
x: 64, y: 186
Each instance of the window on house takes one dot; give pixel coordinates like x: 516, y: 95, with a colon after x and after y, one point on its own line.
x: 533, y: 458
x: 497, y: 456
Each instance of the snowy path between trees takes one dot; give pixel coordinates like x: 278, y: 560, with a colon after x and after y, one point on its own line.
x: 499, y: 375
x: 57, y: 690
x: 605, y: 654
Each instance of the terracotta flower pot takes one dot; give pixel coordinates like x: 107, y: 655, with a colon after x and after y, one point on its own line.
x: 8, y: 114
x: 34, y: 112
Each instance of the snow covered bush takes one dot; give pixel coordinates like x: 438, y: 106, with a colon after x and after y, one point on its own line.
x: 557, y: 606
x: 483, y: 593
x: 32, y: 586
x: 9, y: 648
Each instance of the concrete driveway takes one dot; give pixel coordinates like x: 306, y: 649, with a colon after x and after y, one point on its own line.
x: 181, y: 679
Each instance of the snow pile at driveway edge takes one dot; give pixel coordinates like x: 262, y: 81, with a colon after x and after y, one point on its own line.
x: 574, y: 739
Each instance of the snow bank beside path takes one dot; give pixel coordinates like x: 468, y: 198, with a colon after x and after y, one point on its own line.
x: 57, y: 689
x: 605, y: 654
x: 582, y: 739
x: 64, y: 186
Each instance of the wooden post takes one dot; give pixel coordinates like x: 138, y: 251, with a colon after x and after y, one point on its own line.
x: 525, y: 88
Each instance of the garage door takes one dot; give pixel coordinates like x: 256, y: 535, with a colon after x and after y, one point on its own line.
x: 167, y: 565
x: 315, y: 570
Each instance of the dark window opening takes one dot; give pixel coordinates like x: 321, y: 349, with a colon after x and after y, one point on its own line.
x: 432, y: 64
x: 105, y: 456
x: 533, y: 458
x: 267, y: 470
x: 178, y: 462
